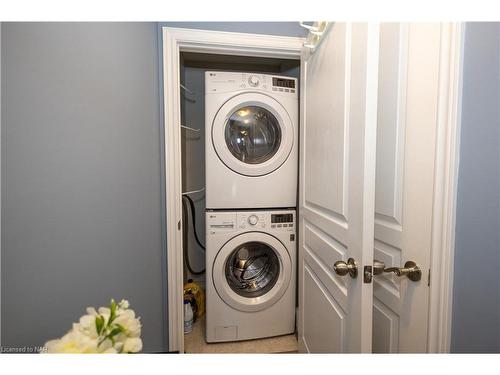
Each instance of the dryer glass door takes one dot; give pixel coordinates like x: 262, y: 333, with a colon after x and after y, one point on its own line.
x: 252, y: 269
x: 253, y: 134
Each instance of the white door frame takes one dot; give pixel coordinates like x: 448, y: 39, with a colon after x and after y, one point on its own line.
x: 176, y: 40
x: 445, y: 187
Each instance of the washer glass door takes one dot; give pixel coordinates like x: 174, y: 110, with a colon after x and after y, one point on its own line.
x: 252, y: 269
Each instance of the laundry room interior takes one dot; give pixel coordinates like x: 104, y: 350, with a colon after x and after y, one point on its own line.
x: 250, y: 187
x: 276, y: 186
x: 193, y: 67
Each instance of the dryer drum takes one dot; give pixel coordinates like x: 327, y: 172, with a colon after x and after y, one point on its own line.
x: 252, y: 269
x: 253, y: 134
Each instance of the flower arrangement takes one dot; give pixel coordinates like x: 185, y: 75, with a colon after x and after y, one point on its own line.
x: 113, y: 329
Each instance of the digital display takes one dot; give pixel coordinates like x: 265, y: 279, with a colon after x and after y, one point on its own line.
x: 282, y: 218
x: 282, y: 82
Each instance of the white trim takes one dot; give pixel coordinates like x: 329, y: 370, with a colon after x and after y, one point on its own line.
x: 173, y: 188
x: 201, y: 41
x: 445, y: 189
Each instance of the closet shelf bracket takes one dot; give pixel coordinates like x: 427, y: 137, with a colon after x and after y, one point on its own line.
x: 312, y: 29
x: 189, y: 128
x: 186, y: 89
x: 193, y: 191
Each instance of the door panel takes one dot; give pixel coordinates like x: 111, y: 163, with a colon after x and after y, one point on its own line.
x: 326, y: 249
x: 406, y: 131
x: 335, y: 285
x: 327, y: 147
x: 336, y: 188
x: 385, y: 328
x: 325, y: 333
x: 391, y: 109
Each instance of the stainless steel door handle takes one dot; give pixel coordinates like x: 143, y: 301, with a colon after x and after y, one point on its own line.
x: 342, y: 268
x: 410, y: 270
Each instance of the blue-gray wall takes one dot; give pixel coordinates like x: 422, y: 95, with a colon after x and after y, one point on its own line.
x: 81, y: 158
x: 81, y: 187
x: 476, y: 294
x: 269, y: 28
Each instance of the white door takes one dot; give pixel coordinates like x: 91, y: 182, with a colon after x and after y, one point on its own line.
x: 406, y: 140
x: 337, y: 188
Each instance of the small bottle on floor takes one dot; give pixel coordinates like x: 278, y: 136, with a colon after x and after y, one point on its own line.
x: 188, y: 317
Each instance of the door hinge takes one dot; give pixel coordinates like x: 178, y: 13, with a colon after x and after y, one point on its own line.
x: 429, y: 278
x: 179, y: 225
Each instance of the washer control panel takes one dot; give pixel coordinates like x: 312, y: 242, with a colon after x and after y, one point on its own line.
x: 225, y: 221
x: 219, y: 82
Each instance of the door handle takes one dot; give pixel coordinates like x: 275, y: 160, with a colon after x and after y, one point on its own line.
x: 342, y: 268
x: 410, y: 270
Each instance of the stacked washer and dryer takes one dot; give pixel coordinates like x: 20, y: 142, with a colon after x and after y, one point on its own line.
x: 251, y: 193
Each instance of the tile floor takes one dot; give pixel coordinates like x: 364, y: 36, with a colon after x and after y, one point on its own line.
x: 194, y: 342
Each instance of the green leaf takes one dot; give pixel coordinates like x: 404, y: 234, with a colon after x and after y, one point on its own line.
x: 112, y: 315
x: 113, y: 333
x: 99, y: 324
x: 102, y: 340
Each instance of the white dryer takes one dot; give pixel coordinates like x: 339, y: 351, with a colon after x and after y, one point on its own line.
x: 251, y: 131
x: 251, y: 271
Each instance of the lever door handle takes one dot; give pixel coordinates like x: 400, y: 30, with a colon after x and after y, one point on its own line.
x: 410, y: 270
x: 342, y: 268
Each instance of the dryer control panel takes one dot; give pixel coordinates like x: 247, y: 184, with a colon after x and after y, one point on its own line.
x: 223, y: 221
x: 219, y: 82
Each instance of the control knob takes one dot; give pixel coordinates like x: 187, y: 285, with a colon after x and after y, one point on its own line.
x: 253, y: 81
x: 253, y: 219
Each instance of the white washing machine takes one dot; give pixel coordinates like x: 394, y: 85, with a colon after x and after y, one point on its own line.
x: 251, y: 131
x: 251, y: 261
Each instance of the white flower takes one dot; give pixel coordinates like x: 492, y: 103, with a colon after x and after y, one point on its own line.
x: 110, y: 351
x: 118, y: 346
x: 72, y: 342
x: 132, y: 325
x: 105, y: 346
x: 122, y: 335
x: 91, y: 311
x: 132, y: 345
x: 88, y: 326
x: 123, y: 304
x: 104, y: 310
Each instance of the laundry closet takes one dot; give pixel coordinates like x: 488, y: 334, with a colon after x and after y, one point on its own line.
x: 256, y: 75
x: 346, y: 267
